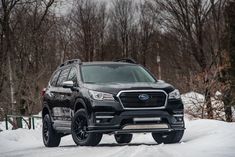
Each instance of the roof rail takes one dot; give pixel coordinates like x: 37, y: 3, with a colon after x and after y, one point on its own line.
x: 127, y: 60
x: 70, y: 62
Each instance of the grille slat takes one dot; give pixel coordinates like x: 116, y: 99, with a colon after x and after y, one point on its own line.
x: 131, y: 99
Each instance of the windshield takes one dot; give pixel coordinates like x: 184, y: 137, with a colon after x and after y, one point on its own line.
x: 115, y: 73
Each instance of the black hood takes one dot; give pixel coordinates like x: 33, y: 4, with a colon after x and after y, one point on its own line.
x: 114, y: 88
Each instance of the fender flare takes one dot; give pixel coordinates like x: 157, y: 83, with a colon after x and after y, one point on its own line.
x: 80, y: 103
x: 46, y: 107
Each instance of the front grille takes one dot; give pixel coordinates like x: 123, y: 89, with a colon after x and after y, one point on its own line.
x: 130, y: 99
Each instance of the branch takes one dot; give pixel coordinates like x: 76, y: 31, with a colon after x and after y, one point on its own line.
x: 48, y: 5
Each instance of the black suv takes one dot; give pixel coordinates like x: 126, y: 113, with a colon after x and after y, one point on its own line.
x: 89, y: 99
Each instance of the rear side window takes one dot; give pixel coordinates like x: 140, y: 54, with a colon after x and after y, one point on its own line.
x: 63, y: 77
x: 72, y: 76
x: 55, y: 78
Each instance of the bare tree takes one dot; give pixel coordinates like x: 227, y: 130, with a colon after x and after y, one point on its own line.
x: 102, y: 18
x: 148, y: 22
x: 229, y: 73
x: 21, y: 23
x: 189, y: 19
x: 84, y: 21
x: 6, y: 40
x: 122, y: 16
x: 189, y: 35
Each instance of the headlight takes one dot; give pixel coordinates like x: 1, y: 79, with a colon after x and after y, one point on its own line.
x: 100, y: 95
x: 175, y: 94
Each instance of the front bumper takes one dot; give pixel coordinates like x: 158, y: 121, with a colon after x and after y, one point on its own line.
x: 136, y: 121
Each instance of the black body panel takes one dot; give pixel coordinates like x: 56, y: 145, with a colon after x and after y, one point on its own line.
x: 111, y: 116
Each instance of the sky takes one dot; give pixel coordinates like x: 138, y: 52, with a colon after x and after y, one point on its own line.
x: 64, y: 6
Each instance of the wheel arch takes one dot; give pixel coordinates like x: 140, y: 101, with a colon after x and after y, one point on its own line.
x: 80, y: 104
x: 45, y: 110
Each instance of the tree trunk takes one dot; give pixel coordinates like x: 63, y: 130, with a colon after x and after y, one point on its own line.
x: 230, y: 96
x: 228, y: 113
x: 11, y: 84
x: 209, y: 108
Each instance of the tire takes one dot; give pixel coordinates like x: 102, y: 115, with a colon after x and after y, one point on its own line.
x: 50, y: 137
x: 123, y: 138
x: 79, y: 130
x: 169, y: 137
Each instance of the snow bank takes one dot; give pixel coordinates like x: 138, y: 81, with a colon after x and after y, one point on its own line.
x: 3, y: 125
x: 206, y: 138
x: 193, y: 98
x: 195, y: 106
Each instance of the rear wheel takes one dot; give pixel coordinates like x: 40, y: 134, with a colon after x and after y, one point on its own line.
x: 168, y: 137
x: 50, y: 137
x: 79, y: 130
x: 123, y: 138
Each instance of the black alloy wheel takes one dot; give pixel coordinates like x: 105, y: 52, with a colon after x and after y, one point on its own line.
x: 79, y: 130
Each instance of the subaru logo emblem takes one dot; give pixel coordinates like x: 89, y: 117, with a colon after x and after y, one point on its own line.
x: 143, y: 97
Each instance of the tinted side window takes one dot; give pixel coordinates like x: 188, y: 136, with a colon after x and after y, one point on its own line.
x: 55, y: 78
x: 72, y: 76
x: 63, y: 76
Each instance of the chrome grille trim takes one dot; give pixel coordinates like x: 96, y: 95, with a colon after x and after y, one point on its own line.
x: 143, y: 108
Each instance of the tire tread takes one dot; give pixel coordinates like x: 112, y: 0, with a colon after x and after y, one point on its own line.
x: 54, y: 138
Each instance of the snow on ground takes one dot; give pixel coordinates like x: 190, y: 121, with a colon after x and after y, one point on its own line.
x: 203, y: 138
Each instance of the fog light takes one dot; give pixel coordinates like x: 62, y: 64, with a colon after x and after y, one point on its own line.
x: 101, y: 118
x: 179, y: 117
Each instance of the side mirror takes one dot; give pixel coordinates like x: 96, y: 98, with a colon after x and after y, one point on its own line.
x: 68, y: 84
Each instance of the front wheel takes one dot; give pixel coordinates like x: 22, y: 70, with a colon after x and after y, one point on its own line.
x: 168, y: 137
x: 123, y: 138
x: 79, y: 130
x: 50, y: 137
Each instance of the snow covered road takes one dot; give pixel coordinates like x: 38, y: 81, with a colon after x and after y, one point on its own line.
x: 203, y: 138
